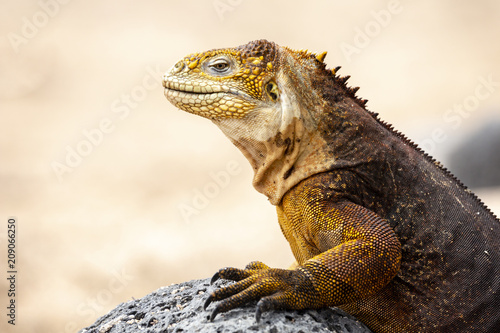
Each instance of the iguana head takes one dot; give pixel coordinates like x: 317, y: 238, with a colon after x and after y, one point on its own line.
x: 266, y: 99
x: 225, y: 83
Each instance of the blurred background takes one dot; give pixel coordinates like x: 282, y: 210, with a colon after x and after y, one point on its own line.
x: 117, y: 193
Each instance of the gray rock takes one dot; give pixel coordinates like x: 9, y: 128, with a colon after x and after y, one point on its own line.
x: 179, y: 308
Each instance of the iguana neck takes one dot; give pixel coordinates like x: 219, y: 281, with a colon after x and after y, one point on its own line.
x: 283, y: 161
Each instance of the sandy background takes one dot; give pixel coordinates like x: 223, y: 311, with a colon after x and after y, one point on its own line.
x: 125, y: 216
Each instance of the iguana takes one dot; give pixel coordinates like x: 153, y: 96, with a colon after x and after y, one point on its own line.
x: 378, y: 227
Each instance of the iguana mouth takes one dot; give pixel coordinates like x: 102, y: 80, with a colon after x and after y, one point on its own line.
x: 188, y: 95
x: 201, y: 89
x: 193, y: 98
x: 211, y: 101
x: 189, y: 88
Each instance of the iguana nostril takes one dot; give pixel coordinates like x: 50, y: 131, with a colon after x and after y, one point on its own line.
x: 179, y: 66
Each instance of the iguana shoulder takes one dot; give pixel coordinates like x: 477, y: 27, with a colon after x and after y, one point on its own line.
x: 378, y: 227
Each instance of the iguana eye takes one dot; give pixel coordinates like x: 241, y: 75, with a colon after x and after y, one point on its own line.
x: 220, y: 66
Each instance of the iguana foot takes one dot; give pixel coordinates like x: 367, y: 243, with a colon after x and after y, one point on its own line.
x: 276, y: 289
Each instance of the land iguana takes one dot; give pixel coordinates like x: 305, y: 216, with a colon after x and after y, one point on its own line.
x: 378, y: 227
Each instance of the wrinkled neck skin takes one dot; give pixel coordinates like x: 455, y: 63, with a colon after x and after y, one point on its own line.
x: 282, y: 141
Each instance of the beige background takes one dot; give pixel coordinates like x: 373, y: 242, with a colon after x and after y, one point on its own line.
x: 112, y: 228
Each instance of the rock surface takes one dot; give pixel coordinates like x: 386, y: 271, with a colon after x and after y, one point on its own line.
x: 179, y: 308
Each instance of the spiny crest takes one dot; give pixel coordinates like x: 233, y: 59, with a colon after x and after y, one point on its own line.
x: 431, y: 159
x: 308, y: 59
x: 321, y: 57
x: 340, y: 80
x: 349, y: 91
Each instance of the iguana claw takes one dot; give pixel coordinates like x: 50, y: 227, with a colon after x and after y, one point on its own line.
x: 262, y: 306
x: 215, y: 278
x: 213, y: 314
x: 207, y: 302
x: 274, y: 288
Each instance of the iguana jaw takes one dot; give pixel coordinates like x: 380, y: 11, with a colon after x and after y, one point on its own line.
x: 209, y: 101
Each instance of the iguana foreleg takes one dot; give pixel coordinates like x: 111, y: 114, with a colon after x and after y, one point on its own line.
x: 358, y: 255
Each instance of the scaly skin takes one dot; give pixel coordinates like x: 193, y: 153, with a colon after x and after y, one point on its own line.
x: 377, y: 227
